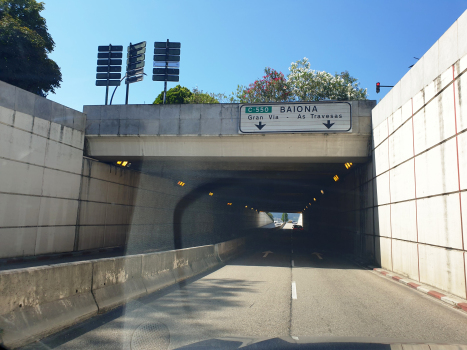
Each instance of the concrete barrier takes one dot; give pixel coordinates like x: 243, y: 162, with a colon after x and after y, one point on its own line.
x: 228, y: 250
x: 117, y: 280
x: 39, y: 301
x: 158, y: 270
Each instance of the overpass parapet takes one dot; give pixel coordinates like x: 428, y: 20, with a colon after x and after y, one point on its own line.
x: 188, y: 119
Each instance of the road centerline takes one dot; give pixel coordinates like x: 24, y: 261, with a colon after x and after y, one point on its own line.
x: 294, y: 290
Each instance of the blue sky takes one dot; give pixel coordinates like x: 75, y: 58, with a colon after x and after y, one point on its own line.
x: 225, y: 43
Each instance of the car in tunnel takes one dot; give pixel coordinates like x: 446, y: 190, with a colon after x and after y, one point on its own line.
x: 297, y: 228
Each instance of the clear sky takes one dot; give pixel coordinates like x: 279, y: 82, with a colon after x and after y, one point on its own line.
x: 225, y: 43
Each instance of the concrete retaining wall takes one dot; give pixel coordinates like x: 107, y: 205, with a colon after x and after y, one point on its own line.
x: 420, y: 162
x: 54, y: 200
x: 406, y: 207
x: 40, y: 301
x: 41, y: 151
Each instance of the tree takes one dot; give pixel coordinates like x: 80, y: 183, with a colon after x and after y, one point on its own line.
x: 175, y: 95
x: 24, y: 47
x: 270, y: 215
x: 307, y: 84
x: 198, y: 96
x: 180, y: 94
x: 271, y: 88
x: 285, y: 217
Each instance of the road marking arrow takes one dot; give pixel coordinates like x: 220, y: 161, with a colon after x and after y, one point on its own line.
x: 328, y: 125
x: 318, y: 255
x: 266, y: 253
x: 261, y: 125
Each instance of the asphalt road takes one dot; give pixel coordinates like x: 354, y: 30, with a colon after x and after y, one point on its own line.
x: 289, y: 292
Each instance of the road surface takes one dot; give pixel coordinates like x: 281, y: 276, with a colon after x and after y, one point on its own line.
x: 289, y: 292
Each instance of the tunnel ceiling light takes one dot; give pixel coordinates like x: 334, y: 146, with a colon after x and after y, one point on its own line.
x: 336, y: 178
x: 348, y: 165
x: 309, y: 203
x: 246, y: 206
x: 229, y: 203
x: 123, y: 163
x: 314, y: 199
x: 322, y: 192
x: 210, y: 193
x: 181, y: 183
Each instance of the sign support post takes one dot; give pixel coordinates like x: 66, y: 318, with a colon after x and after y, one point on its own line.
x: 134, y: 65
x: 108, y: 65
x: 166, y: 54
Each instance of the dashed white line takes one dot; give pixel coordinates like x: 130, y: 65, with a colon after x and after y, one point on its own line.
x: 293, y: 263
x: 294, y: 290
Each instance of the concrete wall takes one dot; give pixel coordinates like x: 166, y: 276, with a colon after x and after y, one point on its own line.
x: 407, y: 206
x: 41, y: 151
x: 187, y: 119
x: 40, y: 301
x: 211, y: 130
x: 119, y: 206
x: 52, y: 199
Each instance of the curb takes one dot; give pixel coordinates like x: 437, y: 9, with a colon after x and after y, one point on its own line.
x: 424, y: 289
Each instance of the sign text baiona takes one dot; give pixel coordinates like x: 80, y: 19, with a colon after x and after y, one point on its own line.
x: 295, y: 117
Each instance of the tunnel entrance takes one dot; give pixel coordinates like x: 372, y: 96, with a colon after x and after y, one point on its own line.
x: 218, y: 199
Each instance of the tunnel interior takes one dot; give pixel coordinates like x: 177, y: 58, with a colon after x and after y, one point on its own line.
x: 222, y: 199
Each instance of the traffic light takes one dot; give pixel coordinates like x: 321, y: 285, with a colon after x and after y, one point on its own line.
x: 378, y: 85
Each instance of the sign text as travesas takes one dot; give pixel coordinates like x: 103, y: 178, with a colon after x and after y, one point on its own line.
x: 295, y: 117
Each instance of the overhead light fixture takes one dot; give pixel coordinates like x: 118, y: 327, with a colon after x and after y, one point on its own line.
x: 314, y: 199
x: 210, y: 193
x: 229, y: 203
x: 123, y: 163
x: 348, y: 165
x: 309, y: 203
x: 246, y: 206
x: 181, y: 183
x: 336, y: 177
x: 322, y: 192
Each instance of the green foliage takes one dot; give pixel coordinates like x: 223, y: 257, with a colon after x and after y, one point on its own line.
x: 180, y: 94
x: 198, y: 96
x: 24, y: 47
x: 175, y: 95
x: 285, y: 217
x: 270, y: 215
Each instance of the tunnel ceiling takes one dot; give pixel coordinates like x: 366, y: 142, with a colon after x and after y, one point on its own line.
x: 267, y: 186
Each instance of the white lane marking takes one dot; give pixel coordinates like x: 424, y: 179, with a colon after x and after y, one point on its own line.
x: 294, y: 290
x: 293, y: 264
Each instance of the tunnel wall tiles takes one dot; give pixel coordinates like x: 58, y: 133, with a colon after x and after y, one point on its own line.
x: 419, y: 152
x: 41, y: 152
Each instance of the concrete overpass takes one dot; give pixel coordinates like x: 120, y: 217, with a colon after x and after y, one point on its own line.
x: 201, y: 145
